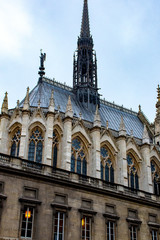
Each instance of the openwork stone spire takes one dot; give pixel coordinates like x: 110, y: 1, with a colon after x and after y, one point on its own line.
x: 4, y: 108
x: 85, y: 66
x: 158, y: 103
x: 85, y: 28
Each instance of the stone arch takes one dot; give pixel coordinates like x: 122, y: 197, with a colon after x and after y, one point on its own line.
x: 155, y: 173
x: 37, y: 124
x: 134, y: 154
x: 85, y: 140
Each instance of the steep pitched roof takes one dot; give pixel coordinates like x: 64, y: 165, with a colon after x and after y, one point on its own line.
x: 108, y: 111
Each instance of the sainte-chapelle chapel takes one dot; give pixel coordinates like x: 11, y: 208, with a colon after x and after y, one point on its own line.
x: 74, y: 166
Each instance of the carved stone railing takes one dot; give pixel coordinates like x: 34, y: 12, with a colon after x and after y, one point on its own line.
x: 73, y: 178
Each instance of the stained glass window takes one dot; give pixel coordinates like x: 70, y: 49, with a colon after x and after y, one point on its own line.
x: 15, y: 143
x: 55, y: 144
x: 78, y: 157
x: 107, y: 170
x: 155, y: 178
x: 35, y: 146
x: 133, y: 180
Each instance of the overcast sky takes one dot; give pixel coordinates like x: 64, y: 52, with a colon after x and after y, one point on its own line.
x: 126, y: 37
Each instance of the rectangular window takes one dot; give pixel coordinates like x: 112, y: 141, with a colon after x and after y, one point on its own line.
x: 133, y: 233
x: 110, y: 230
x: 27, y: 222
x: 59, y: 226
x: 86, y: 228
x: 154, y: 235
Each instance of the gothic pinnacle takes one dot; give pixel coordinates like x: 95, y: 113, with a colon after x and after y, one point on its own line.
x: 4, y: 108
x: 69, y: 111
x: 26, y: 101
x: 51, y: 104
x: 145, y: 136
x: 122, y: 129
x: 97, y: 119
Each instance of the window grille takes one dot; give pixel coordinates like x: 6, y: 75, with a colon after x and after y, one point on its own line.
x: 27, y: 222
x: 78, y: 157
x: 15, y: 144
x: 35, y: 146
x: 133, y: 180
x: 110, y: 230
x: 107, y: 170
x: 133, y: 233
x: 59, y: 226
x: 154, y: 235
x: 86, y: 228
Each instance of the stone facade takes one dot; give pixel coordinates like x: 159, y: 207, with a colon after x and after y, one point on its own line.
x: 67, y: 170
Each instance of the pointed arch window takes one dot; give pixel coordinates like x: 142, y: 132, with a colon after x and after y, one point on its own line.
x: 133, y: 180
x: 78, y: 157
x: 55, y: 147
x: 107, y: 169
x: 155, y: 178
x: 15, y: 143
x: 36, y: 146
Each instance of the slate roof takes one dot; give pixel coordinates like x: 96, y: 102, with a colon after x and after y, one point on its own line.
x: 108, y: 111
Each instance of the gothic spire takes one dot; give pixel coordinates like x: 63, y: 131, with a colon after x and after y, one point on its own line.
x: 85, y: 28
x: 85, y: 84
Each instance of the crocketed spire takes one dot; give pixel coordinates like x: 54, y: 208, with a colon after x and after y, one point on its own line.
x: 85, y: 28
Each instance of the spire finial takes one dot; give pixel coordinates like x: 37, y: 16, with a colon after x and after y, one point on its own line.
x: 42, y: 68
x: 158, y: 90
x: 85, y: 28
x: 4, y: 108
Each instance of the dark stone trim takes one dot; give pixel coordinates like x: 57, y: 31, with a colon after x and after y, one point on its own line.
x: 153, y: 225
x: 30, y: 200
x: 74, y: 185
x: 3, y: 197
x: 62, y: 206
x: 111, y: 216
x: 87, y: 211
x: 135, y: 221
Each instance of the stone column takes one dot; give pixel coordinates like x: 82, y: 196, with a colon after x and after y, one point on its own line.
x: 121, y: 156
x: 67, y: 137
x: 23, y: 153
x: 95, y: 133
x: 4, y: 121
x: 146, y: 177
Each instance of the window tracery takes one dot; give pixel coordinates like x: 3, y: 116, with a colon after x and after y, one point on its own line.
x: 55, y: 146
x: 155, y: 178
x: 35, y: 146
x: 133, y: 180
x: 15, y: 143
x: 107, y: 169
x: 78, y: 157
